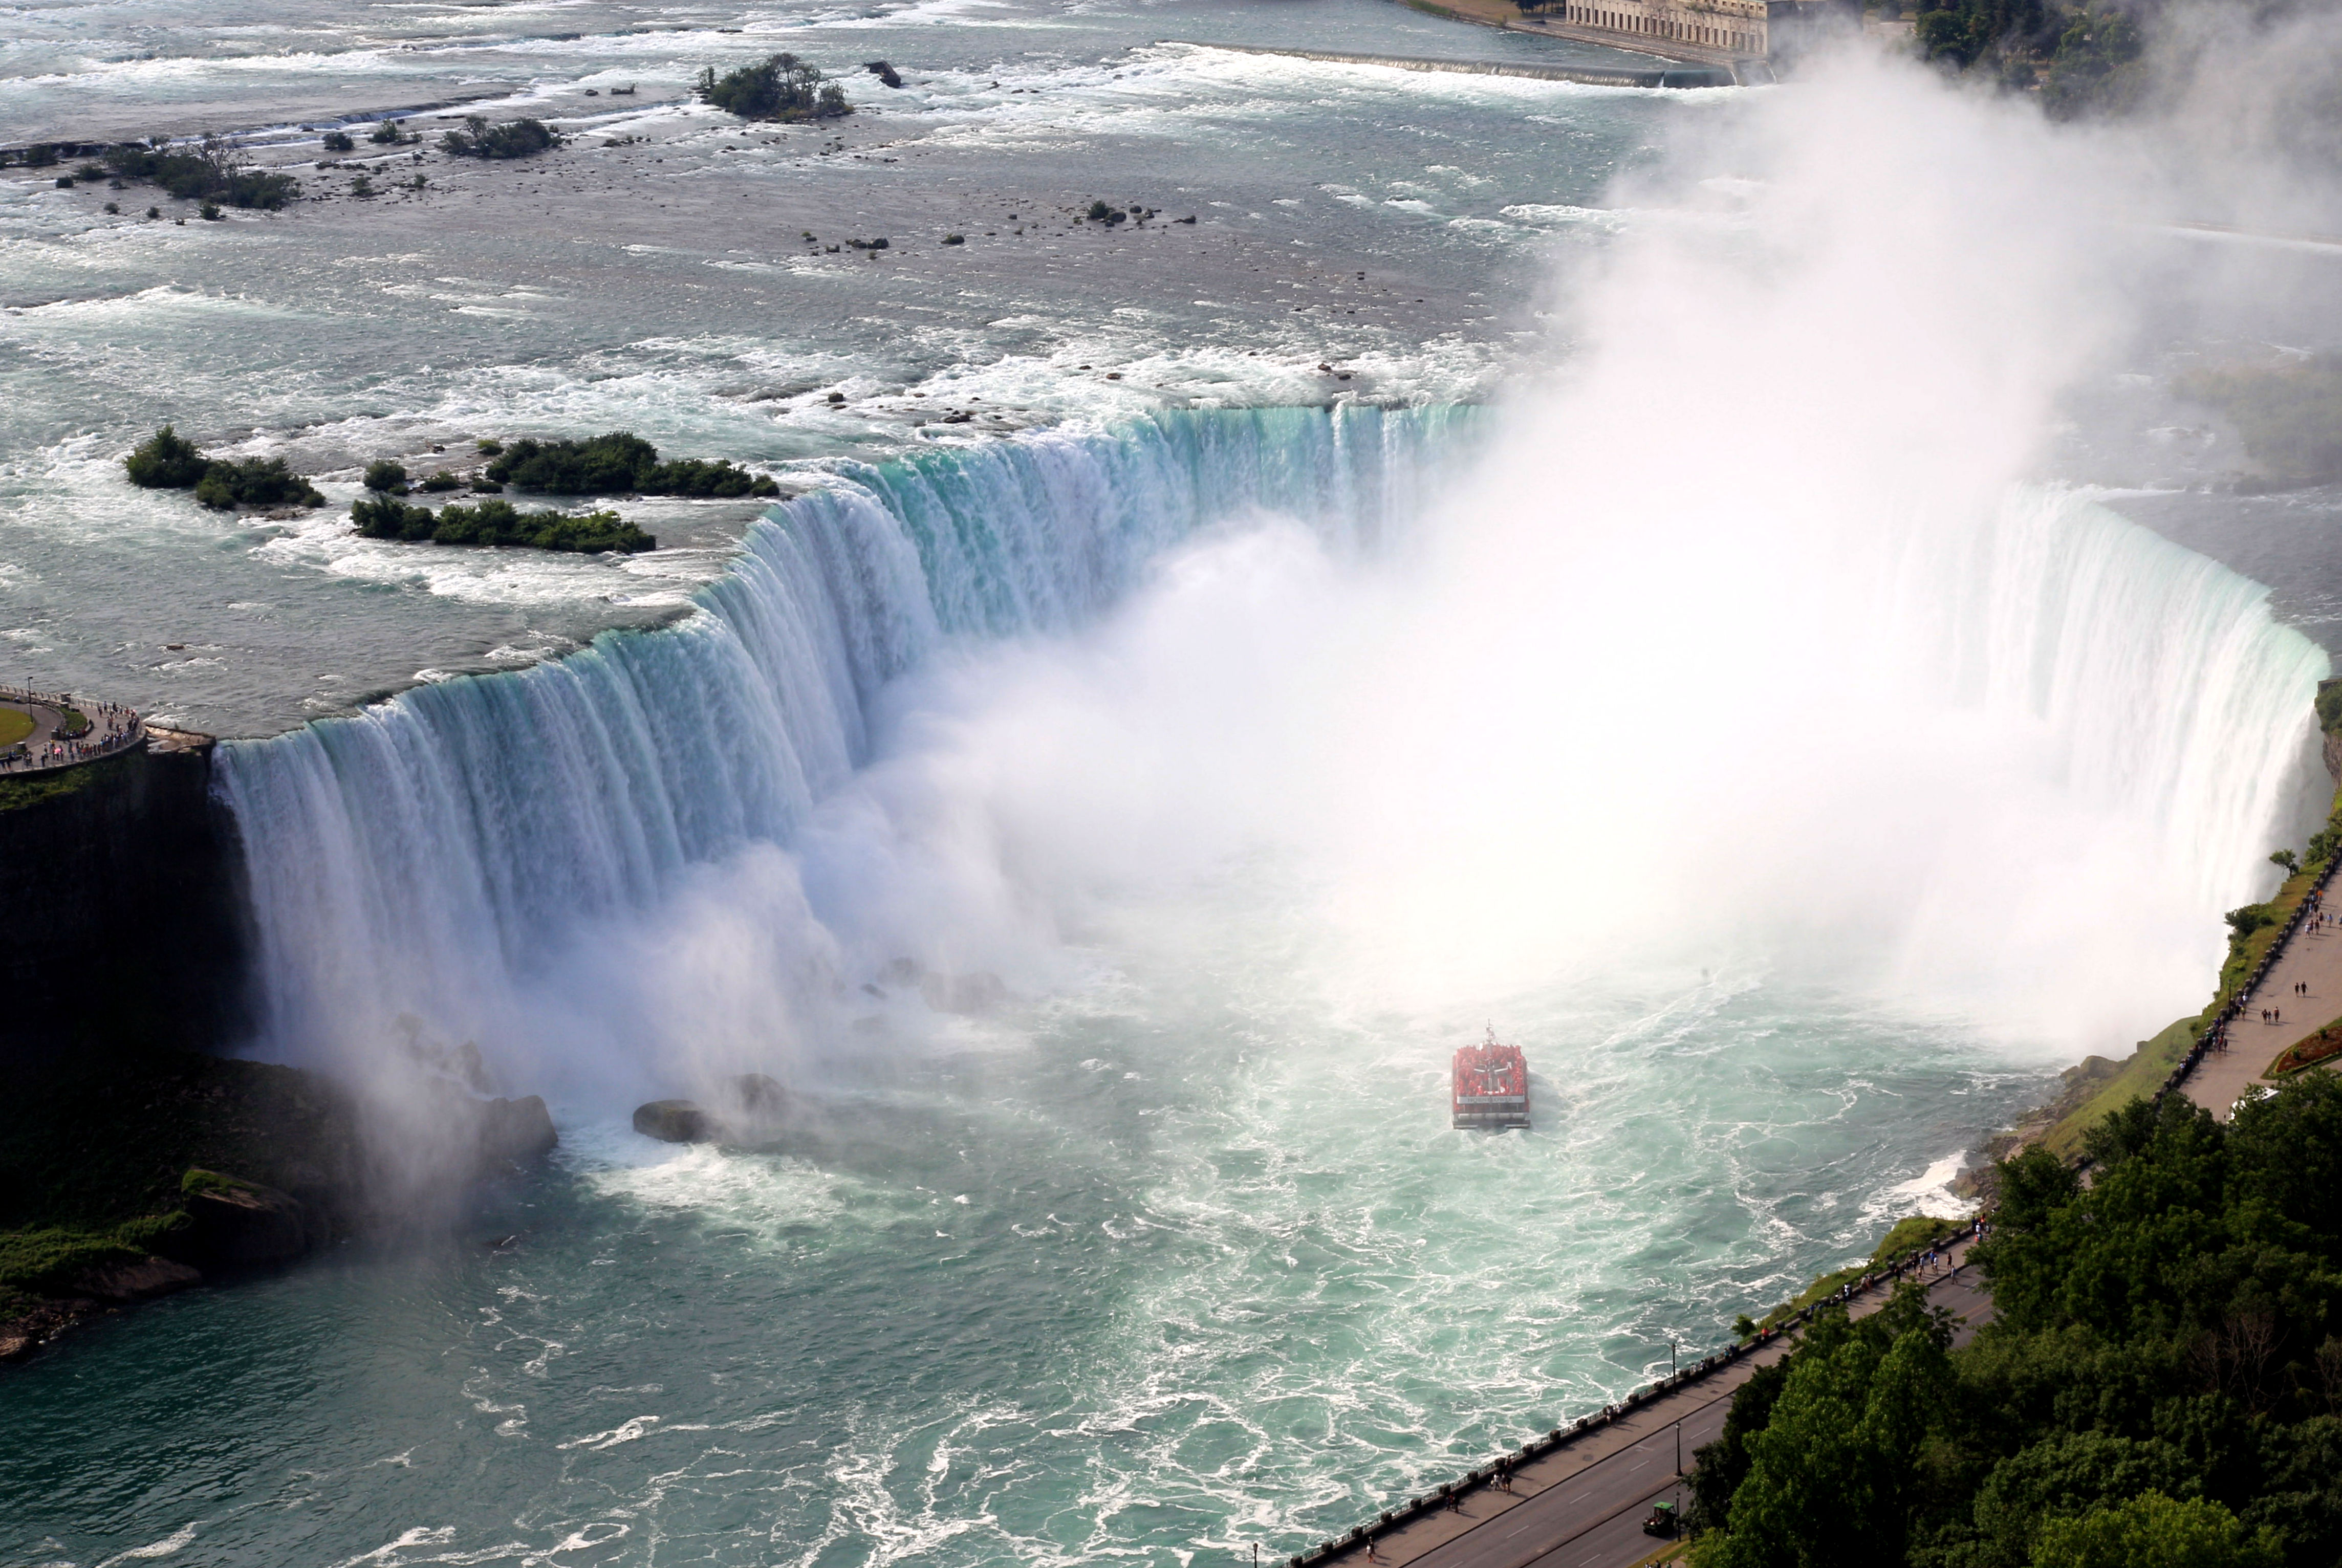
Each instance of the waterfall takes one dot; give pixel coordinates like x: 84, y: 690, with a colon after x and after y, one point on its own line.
x: 438, y: 844
x: 1978, y: 733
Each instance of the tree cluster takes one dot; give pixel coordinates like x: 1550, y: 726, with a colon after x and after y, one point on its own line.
x: 618, y: 463
x: 2161, y: 1388
x: 168, y: 461
x: 498, y: 522
x: 478, y: 139
x: 782, y: 87
x: 2082, y: 58
x: 213, y: 170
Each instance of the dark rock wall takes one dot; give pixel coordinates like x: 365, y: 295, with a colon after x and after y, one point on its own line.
x: 122, y: 918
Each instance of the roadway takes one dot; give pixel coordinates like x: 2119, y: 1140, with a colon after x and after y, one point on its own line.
x: 1583, y: 1506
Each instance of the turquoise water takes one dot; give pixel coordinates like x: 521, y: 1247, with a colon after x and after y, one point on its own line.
x: 1170, y: 1252
x: 1175, y: 1277
x: 1238, y: 739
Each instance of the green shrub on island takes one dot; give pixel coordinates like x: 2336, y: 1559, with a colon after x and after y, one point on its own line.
x: 255, y: 481
x: 782, y: 87
x: 697, y: 477
x: 340, y: 142
x: 443, y: 480
x: 2161, y: 1388
x: 214, y: 170
x: 392, y: 133
x: 168, y: 461
x: 618, y: 463
x: 382, y: 474
x: 513, y: 139
x: 499, y: 522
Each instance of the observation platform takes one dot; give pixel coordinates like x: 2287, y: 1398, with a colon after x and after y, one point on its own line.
x: 44, y: 731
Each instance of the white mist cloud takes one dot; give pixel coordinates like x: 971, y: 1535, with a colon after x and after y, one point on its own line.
x: 1746, y: 640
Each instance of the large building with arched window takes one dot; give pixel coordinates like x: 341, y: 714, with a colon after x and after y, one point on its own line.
x: 1739, y: 32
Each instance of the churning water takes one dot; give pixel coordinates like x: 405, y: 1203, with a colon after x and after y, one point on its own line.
x: 1109, y: 828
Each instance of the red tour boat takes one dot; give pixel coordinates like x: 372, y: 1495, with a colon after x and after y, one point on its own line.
x: 1492, y: 1085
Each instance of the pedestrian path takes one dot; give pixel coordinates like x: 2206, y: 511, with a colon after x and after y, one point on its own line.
x: 53, y: 742
x: 1582, y: 1504
x: 2312, y: 958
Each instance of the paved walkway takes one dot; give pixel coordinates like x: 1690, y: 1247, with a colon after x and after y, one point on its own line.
x: 1583, y: 1506
x: 2313, y: 958
x: 110, y: 730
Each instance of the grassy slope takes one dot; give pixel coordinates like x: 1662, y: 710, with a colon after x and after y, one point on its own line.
x: 14, y: 725
x: 2144, y: 1070
x: 1907, y: 1237
x: 34, y: 788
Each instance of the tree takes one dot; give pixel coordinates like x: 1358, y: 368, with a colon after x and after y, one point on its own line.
x: 166, y: 461
x: 2155, y: 1531
x: 514, y: 139
x: 781, y: 87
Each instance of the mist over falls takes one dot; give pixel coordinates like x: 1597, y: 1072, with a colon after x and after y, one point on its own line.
x: 1697, y: 654
x: 1105, y: 830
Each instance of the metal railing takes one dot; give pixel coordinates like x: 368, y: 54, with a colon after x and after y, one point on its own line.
x: 2204, y: 1043
x: 1885, y: 1274
x: 105, y: 738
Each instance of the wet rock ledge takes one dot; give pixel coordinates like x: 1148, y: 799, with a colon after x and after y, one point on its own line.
x: 134, y: 1175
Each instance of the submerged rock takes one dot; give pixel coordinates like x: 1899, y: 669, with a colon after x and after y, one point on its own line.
x: 674, y: 1122
x: 758, y: 1093
x: 516, y: 1132
x: 748, y: 1108
x: 138, y: 1282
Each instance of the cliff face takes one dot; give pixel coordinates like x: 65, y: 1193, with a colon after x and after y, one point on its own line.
x: 123, y: 917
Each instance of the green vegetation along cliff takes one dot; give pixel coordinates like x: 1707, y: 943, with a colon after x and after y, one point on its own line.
x: 2162, y: 1387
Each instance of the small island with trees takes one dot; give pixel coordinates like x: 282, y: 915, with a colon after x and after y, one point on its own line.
x: 521, y: 138
x: 212, y: 170
x: 496, y: 520
x: 168, y: 461
x: 781, y: 87
x: 619, y: 462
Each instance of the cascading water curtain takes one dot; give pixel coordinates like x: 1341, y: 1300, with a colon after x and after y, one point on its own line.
x: 437, y: 842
